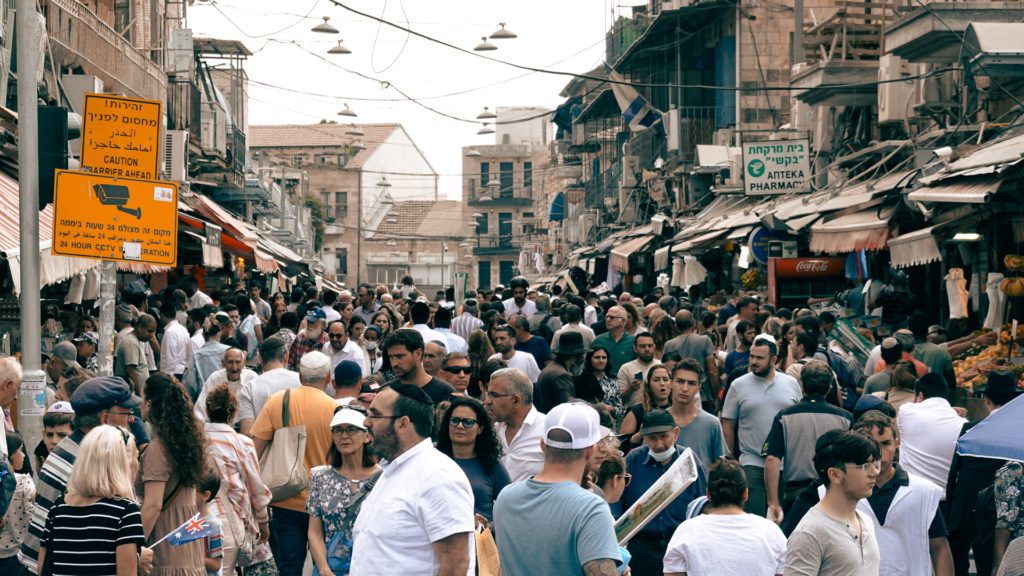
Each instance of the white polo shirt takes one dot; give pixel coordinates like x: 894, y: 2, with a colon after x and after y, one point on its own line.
x: 928, y: 433
x: 420, y: 498
x: 350, y: 351
x: 523, y: 361
x: 523, y: 457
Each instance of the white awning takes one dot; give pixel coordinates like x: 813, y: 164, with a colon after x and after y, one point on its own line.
x: 913, y: 249
x: 969, y: 191
x: 695, y: 243
x: 661, y: 258
x: 622, y: 252
x: 864, y: 230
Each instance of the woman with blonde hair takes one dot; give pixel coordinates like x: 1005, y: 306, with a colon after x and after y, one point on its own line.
x: 100, y: 502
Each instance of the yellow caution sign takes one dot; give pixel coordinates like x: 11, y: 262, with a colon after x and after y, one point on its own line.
x: 109, y: 218
x: 121, y: 136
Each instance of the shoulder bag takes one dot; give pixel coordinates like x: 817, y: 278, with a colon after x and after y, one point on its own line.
x: 283, y: 465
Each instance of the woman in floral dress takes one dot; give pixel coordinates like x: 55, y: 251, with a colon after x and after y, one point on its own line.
x: 1009, y: 496
x: 337, y: 490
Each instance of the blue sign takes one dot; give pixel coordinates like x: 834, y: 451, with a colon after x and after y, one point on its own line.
x: 759, y: 239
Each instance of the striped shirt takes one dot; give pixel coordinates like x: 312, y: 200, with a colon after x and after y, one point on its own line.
x: 84, y: 539
x: 464, y: 324
x: 234, y: 456
x: 52, y: 483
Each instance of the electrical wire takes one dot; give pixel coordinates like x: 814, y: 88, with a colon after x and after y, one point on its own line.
x: 373, y: 49
x: 275, y: 32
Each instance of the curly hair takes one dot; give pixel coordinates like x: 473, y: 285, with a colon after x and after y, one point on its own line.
x: 170, y: 413
x: 221, y: 405
x: 487, y: 449
x: 663, y: 330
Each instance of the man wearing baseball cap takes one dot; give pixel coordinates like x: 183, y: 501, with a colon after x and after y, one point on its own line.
x: 103, y: 400
x: 63, y: 356
x: 85, y: 346
x: 548, y: 524
x: 312, y: 338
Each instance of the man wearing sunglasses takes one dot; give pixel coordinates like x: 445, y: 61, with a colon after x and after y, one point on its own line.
x: 456, y: 370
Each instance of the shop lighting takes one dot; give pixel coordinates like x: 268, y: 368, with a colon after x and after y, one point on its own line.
x: 347, y: 112
x: 485, y: 45
x: 339, y: 49
x: 486, y: 115
x: 966, y: 237
x: 325, y: 27
x: 502, y: 34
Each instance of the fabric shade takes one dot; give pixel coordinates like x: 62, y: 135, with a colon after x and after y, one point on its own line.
x: 661, y: 258
x: 864, y: 230
x: 621, y: 254
x: 913, y: 249
x: 959, y: 190
x: 997, y: 436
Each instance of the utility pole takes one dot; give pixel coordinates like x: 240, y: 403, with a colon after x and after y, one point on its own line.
x: 798, y: 32
x: 32, y: 394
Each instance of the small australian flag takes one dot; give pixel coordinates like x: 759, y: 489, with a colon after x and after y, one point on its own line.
x: 193, y: 529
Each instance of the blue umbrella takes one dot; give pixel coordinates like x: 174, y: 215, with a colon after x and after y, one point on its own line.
x: 997, y: 436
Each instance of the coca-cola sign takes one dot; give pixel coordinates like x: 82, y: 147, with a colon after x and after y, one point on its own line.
x: 809, y: 267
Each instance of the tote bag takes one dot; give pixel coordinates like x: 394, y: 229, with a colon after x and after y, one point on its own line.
x: 283, y: 465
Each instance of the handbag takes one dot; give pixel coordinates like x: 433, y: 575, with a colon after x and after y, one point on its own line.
x: 283, y: 465
x: 487, y: 561
x: 244, y: 540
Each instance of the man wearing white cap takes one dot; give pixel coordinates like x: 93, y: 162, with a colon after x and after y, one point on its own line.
x: 548, y: 524
x: 308, y: 406
x: 750, y: 407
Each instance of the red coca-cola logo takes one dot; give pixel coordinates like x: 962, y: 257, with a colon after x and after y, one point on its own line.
x: 812, y: 266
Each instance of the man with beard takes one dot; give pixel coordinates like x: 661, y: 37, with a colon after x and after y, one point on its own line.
x: 234, y: 374
x: 310, y: 407
x: 504, y: 343
x: 418, y: 519
x: 750, y: 407
x: 646, y: 464
x: 405, y: 348
x: 518, y: 303
x: 632, y: 374
x: 738, y: 359
x: 517, y: 422
x: 556, y: 383
x: 312, y: 339
x: 835, y: 537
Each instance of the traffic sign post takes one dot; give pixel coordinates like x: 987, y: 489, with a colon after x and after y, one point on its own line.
x: 121, y: 136
x: 119, y: 219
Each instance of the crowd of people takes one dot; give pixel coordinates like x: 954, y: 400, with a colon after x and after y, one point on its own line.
x: 388, y: 432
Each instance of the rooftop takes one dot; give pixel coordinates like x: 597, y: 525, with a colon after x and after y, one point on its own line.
x: 328, y: 135
x: 424, y: 218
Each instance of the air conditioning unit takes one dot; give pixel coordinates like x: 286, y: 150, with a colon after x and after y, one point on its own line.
x: 824, y: 128
x: 586, y: 226
x: 894, y: 96
x: 175, y: 158
x: 673, y: 130
x: 927, y: 90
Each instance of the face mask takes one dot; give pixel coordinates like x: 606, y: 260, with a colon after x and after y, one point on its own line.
x: 665, y: 456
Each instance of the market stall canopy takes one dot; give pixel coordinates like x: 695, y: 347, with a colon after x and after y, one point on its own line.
x: 621, y: 253
x: 239, y: 230
x: 915, y: 248
x: 52, y: 269
x: 864, y: 230
x: 997, y: 436
x: 977, y: 190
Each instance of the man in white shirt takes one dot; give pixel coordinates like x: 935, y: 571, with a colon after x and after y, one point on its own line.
x: 518, y: 303
x: 504, y: 343
x: 418, y: 519
x: 234, y: 374
x: 330, y: 314
x: 175, y: 345
x: 464, y: 324
x: 340, y: 347
x: 195, y: 327
x: 590, y: 312
x: 196, y: 297
x: 627, y: 379
x: 420, y: 314
x: 442, y: 324
x: 252, y: 395
x: 573, y: 316
x: 929, y: 429
x: 517, y: 423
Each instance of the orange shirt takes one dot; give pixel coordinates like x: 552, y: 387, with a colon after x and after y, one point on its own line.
x: 918, y: 365
x: 307, y: 406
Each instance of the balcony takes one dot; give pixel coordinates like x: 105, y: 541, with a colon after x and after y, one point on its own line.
x: 495, y: 245
x: 496, y: 195
x: 82, y: 40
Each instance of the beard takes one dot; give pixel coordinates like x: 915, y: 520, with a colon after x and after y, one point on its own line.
x: 385, y: 443
x: 762, y: 373
x: 314, y: 334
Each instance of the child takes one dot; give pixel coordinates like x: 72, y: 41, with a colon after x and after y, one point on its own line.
x: 206, y: 493
x: 14, y: 524
x: 56, y: 427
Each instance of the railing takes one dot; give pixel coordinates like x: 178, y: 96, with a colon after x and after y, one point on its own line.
x: 497, y: 193
x: 495, y: 244
x: 697, y: 125
x: 83, y: 40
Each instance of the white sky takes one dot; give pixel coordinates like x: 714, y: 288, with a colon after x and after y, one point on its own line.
x: 563, y: 35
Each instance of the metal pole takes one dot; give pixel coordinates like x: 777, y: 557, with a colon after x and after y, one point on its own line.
x: 108, y: 292
x: 32, y: 394
x: 798, y: 32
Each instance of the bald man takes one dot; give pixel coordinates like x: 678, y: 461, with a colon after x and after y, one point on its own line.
x: 616, y: 340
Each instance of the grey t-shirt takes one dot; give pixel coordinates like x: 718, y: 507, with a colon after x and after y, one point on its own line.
x: 754, y: 404
x: 878, y: 382
x: 691, y: 345
x: 822, y: 545
x: 552, y: 528
x: 704, y: 437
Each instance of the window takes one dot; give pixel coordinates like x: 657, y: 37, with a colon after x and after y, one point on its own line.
x: 483, y: 274
x: 481, y: 224
x: 505, y: 225
x: 485, y: 175
x: 505, y: 271
x: 506, y: 179
x: 123, y: 18
x: 297, y: 160
x: 528, y: 227
x: 528, y: 175
x: 342, y: 257
x: 322, y: 160
x: 340, y: 207
x: 325, y: 199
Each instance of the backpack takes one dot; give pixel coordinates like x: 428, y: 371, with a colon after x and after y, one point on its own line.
x: 543, y: 330
x: 846, y: 377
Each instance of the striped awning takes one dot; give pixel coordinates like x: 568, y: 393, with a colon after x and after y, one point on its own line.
x: 915, y: 248
x: 621, y: 253
x: 864, y: 230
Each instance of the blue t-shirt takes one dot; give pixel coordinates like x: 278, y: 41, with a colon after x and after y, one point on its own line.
x: 486, y: 486
x: 538, y: 347
x: 736, y: 359
x: 552, y: 528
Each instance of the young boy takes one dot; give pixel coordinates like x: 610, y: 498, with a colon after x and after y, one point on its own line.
x: 206, y: 492
x: 56, y: 427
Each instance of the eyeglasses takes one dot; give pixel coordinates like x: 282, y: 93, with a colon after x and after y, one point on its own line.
x: 129, y: 414
x: 875, y: 465
x: 614, y: 317
x: 466, y: 423
x: 627, y: 477
x: 350, y: 432
x: 458, y: 369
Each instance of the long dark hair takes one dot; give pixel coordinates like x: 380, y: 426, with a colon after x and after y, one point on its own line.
x: 487, y: 449
x: 170, y: 413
